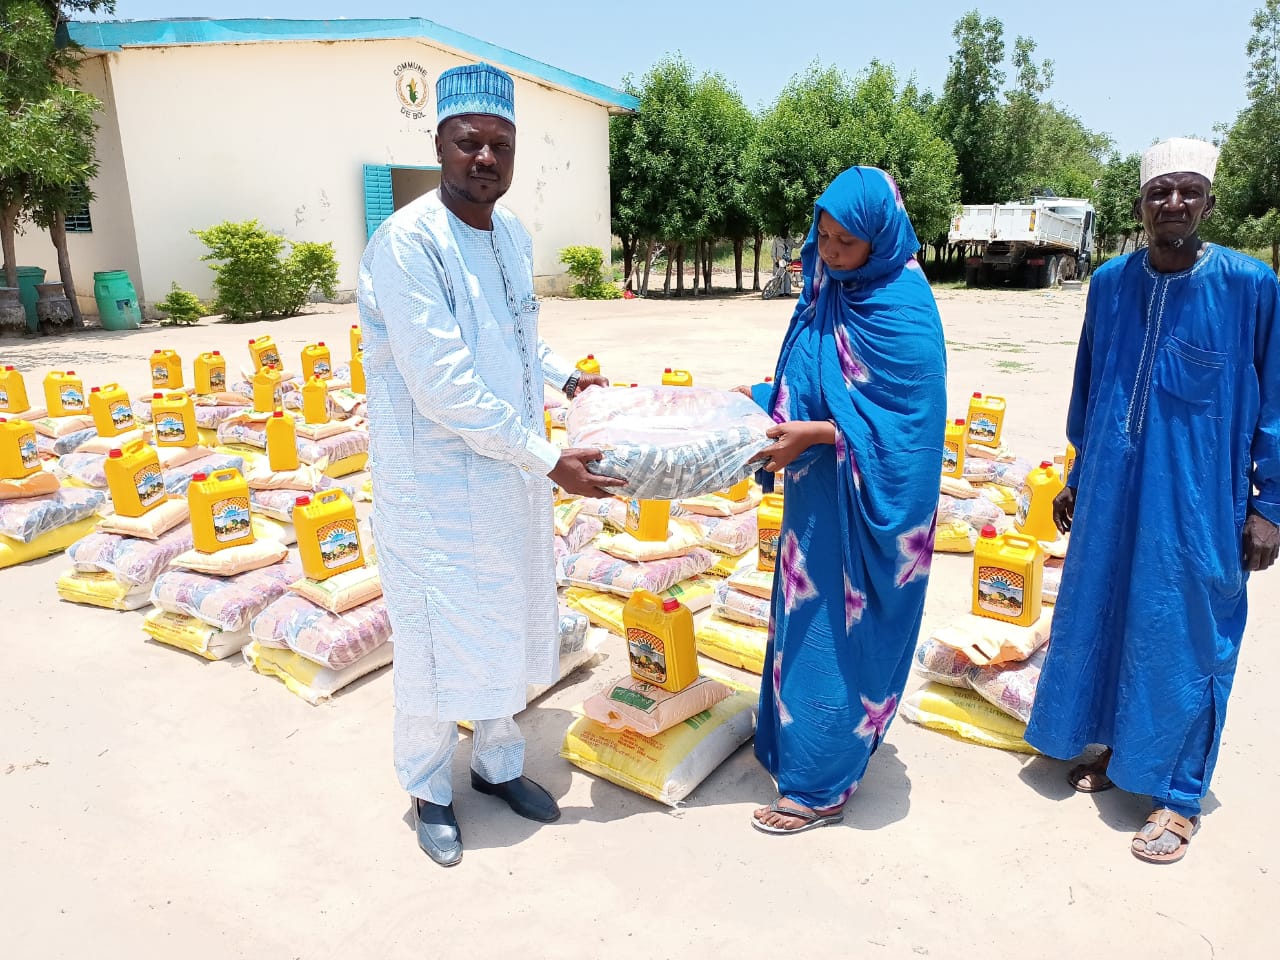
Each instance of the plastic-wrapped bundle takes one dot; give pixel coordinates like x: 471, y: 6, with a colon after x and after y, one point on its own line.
x: 130, y: 560
x: 596, y: 570
x: 977, y: 512
x: 279, y: 504
x: 741, y: 607
x: 228, y: 603
x: 670, y: 443
x: 331, y: 640
x: 733, y: 536
x: 60, y: 447
x: 1010, y: 687
x: 581, y: 532
x: 25, y: 520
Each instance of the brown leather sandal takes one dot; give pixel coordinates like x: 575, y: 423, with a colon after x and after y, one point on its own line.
x: 1091, y: 777
x: 1170, y: 822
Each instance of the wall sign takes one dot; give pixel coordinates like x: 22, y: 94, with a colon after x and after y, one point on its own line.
x: 411, y: 88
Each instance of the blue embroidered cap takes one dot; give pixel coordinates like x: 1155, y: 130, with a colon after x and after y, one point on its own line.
x: 475, y: 88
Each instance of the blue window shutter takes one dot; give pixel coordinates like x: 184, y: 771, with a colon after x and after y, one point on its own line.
x: 378, y: 203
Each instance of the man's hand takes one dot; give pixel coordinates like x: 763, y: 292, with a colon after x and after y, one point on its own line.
x: 1261, y: 543
x: 572, y: 476
x: 794, y: 438
x: 589, y: 380
x: 744, y: 390
x: 1064, y: 509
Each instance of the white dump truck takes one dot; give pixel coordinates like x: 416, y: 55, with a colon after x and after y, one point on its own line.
x: 1037, y: 244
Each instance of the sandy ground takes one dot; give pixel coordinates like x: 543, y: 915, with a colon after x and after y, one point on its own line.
x: 153, y: 803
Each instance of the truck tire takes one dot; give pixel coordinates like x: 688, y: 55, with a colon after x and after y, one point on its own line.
x: 1055, y: 271
x: 1084, y: 266
x: 971, y: 277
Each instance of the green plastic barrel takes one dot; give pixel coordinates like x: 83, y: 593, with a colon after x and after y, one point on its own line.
x: 117, y: 300
x: 28, y: 277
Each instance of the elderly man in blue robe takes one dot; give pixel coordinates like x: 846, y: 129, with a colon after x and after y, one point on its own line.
x: 462, y: 469
x: 1173, y: 502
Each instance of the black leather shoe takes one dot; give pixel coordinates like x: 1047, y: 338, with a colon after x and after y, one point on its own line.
x: 522, y: 795
x: 438, y: 833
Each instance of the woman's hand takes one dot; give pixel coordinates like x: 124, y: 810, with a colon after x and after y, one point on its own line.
x: 744, y: 390
x: 589, y: 380
x: 793, y: 439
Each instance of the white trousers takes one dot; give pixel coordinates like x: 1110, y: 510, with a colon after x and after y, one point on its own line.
x: 424, y: 754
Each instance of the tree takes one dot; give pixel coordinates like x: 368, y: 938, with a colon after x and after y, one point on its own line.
x: 722, y: 128
x: 1248, y: 182
x: 1024, y: 117
x: 47, y: 128
x: 969, y: 111
x: 1117, y: 189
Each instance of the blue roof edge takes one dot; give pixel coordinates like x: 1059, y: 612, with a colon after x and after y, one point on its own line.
x: 109, y: 36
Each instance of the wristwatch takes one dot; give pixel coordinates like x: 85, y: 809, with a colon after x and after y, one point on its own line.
x: 571, y: 385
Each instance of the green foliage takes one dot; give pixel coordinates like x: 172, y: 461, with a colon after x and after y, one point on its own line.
x: 180, y: 307
x: 969, y: 113
x: 254, y: 278
x: 1248, y: 181
x: 1117, y: 190
x: 587, y: 264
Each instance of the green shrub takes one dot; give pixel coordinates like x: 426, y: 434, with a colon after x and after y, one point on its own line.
x: 587, y: 265
x: 180, y: 307
x: 254, y: 278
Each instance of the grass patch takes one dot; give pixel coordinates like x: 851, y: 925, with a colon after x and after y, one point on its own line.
x: 1013, y: 366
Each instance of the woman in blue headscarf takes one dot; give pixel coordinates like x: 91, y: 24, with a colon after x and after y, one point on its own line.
x: 860, y: 398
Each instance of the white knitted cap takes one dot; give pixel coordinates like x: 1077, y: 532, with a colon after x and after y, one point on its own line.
x: 1180, y: 155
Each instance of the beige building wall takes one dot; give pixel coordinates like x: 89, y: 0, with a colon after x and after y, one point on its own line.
x: 113, y: 244
x: 280, y: 132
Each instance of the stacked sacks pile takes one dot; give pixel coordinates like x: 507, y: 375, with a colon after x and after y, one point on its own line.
x: 41, y: 524
x: 206, y: 602
x: 117, y: 565
x: 332, y: 627
x: 339, y: 447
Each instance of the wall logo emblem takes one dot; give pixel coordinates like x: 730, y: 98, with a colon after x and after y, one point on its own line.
x: 411, y: 88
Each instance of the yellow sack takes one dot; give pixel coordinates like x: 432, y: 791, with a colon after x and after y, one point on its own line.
x: 340, y: 593
x: 309, y: 680
x: 233, y: 560
x: 987, y: 642
x: 959, y: 488
x: 965, y: 715
x: 347, y: 465
x: 14, y: 552
x: 669, y: 766
x: 728, y: 566
x: 1006, y: 498
x: 736, y: 644
x: 564, y: 513
x: 193, y: 635
x: 716, y: 506
x: 604, y: 610
x: 955, y: 537
x: 102, y: 589
x: 365, y: 492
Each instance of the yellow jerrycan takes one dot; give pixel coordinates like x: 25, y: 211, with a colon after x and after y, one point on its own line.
x: 266, y: 389
x: 166, y: 370
x: 264, y: 353
x: 282, y: 442
x: 173, y: 415
x: 1069, y: 463
x: 769, y: 529
x: 134, y: 478
x: 357, y: 341
x: 589, y: 364
x: 64, y: 394
x: 357, y: 375
x: 649, y: 520
x: 1008, y: 576
x: 738, y: 492
x: 13, y: 391
x: 328, y: 540
x: 316, y: 362
x: 111, y: 410
x: 220, y: 515
x: 677, y: 378
x: 660, y: 641
x: 953, y: 450
x: 19, y: 455
x: 315, y: 401
x: 986, y: 420
x: 211, y: 373
x: 1034, y: 514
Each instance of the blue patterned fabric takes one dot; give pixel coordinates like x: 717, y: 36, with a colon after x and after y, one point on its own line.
x: 865, y: 350
x: 1175, y: 417
x: 475, y: 88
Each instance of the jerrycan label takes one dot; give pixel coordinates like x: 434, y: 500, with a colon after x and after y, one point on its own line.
x: 171, y: 427
x: 270, y: 358
x: 159, y: 376
x: 71, y: 398
x: 121, y: 414
x: 950, y: 457
x: 1000, y: 591
x: 230, y: 518
x: 648, y: 655
x: 633, y: 514
x: 1024, y: 505
x: 769, y: 545
x: 29, y: 452
x: 4, y: 399
x: 321, y: 369
x: 982, y: 428
x: 218, y: 379
x: 149, y: 482
x: 338, y: 543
